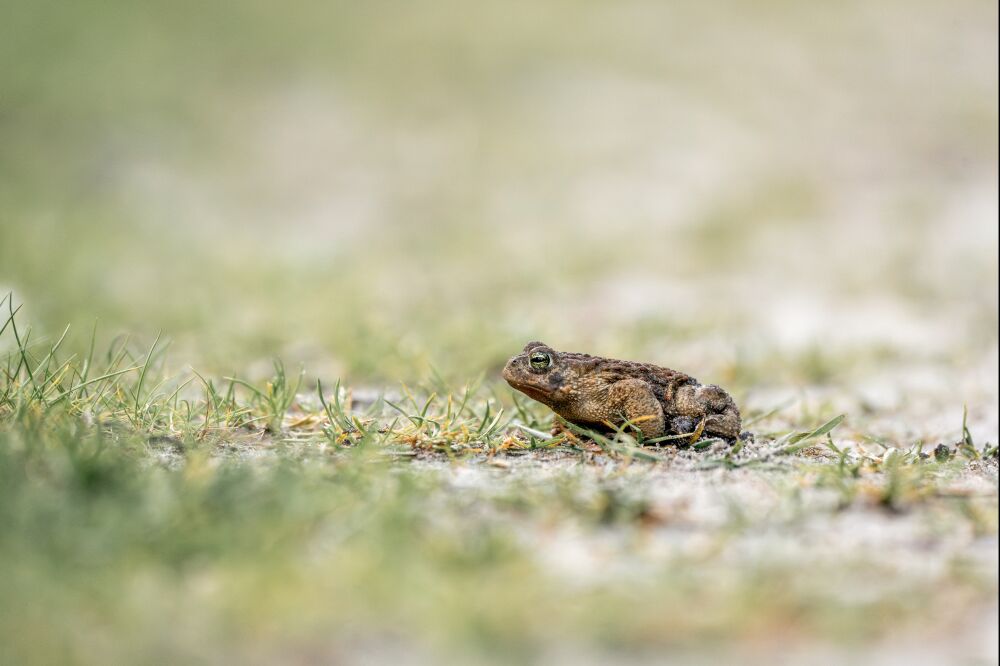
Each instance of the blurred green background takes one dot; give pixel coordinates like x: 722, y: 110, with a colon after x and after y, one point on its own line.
x: 765, y: 192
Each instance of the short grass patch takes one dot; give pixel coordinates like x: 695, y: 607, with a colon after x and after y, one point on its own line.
x: 179, y: 517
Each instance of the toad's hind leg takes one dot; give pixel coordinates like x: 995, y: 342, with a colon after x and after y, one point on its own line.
x: 634, y: 401
x: 722, y: 416
x: 715, y: 406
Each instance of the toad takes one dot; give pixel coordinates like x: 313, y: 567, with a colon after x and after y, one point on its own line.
x: 604, y: 393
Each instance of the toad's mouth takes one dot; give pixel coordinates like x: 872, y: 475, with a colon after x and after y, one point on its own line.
x: 531, y: 391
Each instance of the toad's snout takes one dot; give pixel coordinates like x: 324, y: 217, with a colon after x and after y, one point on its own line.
x: 509, y: 369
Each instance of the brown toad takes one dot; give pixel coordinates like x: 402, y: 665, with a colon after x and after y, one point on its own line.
x: 596, y: 393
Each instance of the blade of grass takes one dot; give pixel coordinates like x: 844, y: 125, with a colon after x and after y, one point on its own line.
x: 142, y: 375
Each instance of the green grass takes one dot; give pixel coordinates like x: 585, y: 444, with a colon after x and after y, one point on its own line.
x: 151, y: 516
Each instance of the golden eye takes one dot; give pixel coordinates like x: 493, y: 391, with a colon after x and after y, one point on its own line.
x: 540, y: 360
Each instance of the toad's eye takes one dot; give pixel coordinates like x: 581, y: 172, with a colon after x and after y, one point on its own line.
x: 540, y: 360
